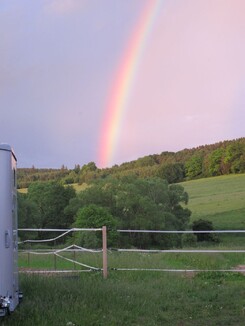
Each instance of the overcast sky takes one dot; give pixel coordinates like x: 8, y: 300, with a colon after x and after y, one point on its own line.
x: 59, y: 58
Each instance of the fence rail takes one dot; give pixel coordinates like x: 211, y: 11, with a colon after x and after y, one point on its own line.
x: 74, y: 248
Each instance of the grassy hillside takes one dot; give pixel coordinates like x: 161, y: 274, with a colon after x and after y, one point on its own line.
x: 218, y: 199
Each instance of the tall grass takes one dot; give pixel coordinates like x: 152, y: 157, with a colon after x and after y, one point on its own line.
x: 128, y: 298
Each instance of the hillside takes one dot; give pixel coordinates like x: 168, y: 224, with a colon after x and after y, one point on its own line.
x: 223, y: 158
x: 218, y: 199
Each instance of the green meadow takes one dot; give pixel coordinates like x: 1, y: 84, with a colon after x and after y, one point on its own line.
x: 218, y: 199
x: 147, y: 297
x: 222, y: 201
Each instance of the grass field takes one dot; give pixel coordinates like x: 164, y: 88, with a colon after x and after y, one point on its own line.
x: 143, y: 297
x: 131, y: 299
x: 77, y: 187
x: 131, y: 260
x: 222, y: 201
x: 218, y: 199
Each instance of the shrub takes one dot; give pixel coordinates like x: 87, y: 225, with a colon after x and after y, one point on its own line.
x: 189, y: 239
x: 204, y: 225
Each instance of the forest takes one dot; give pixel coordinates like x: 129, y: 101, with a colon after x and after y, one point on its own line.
x: 204, y: 161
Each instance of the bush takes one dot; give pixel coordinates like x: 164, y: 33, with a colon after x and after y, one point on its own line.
x: 189, y: 240
x: 204, y: 225
x: 92, y: 216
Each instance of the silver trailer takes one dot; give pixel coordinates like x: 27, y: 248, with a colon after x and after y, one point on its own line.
x: 9, y: 281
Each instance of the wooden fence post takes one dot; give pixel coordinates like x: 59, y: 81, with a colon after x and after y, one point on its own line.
x: 104, y: 247
x: 55, y: 262
x: 74, y: 258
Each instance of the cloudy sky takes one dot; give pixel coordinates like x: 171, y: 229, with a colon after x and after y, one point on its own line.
x: 61, y: 59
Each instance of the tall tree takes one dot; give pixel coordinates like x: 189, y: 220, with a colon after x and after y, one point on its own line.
x: 51, y: 198
x: 194, y: 166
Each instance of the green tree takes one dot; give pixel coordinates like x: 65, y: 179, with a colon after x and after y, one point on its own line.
x: 172, y: 172
x: 92, y: 216
x: 145, y: 161
x: 194, y: 166
x: 234, y: 157
x: 138, y: 204
x: 51, y: 198
x: 215, y: 162
x: 28, y: 216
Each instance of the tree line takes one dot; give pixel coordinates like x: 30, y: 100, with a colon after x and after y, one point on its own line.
x: 204, y: 161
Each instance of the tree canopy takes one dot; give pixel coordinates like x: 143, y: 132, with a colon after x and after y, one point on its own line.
x: 126, y: 203
x: 43, y: 206
x: 133, y: 204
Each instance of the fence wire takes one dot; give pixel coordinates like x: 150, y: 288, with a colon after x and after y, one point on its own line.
x: 76, y: 248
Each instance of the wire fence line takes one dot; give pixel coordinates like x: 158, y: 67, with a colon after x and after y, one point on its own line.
x: 61, y: 230
x: 131, y: 231
x: 180, y: 251
x: 65, y: 232
x: 76, y: 248
x: 72, y: 248
x: 180, y: 231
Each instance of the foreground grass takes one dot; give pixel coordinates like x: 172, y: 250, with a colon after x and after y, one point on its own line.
x: 129, y: 298
x: 133, y: 297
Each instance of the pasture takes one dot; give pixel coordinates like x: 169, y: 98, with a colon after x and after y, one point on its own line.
x: 222, y: 201
x: 218, y: 199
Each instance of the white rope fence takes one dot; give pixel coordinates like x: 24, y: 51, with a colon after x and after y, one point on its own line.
x: 180, y: 231
x: 181, y: 250
x: 58, y: 252
x: 66, y: 249
x: 178, y: 270
x: 65, y: 232
x: 72, y: 248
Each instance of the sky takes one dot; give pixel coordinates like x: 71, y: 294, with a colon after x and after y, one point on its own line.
x: 109, y: 81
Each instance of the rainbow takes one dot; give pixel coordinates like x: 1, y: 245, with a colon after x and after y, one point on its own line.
x: 120, y: 92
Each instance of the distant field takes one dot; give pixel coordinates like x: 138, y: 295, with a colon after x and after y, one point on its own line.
x: 77, y: 187
x: 218, y: 199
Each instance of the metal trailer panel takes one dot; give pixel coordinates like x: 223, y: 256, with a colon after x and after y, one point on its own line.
x: 9, y: 283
